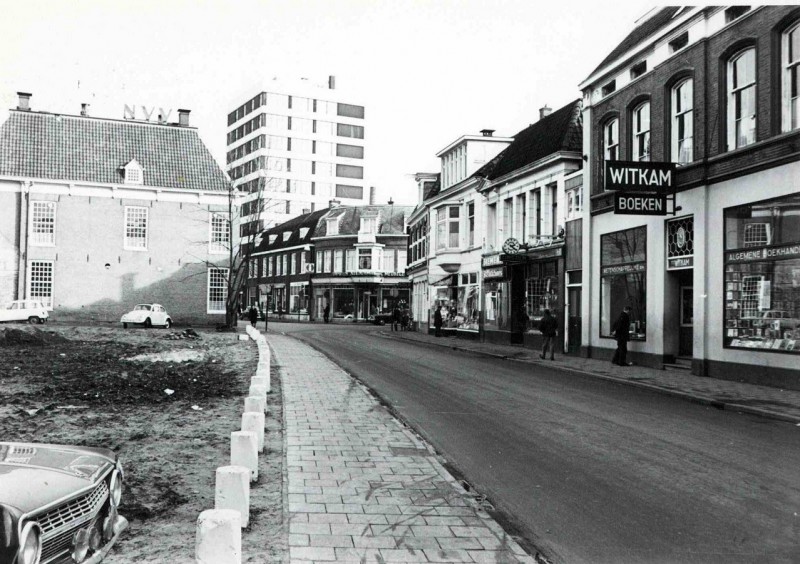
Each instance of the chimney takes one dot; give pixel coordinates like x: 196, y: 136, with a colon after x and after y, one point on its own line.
x: 545, y: 111
x: 334, y: 204
x: 332, y: 82
x: 84, y: 109
x: 183, y: 118
x: 487, y: 132
x: 24, y: 101
x: 372, y: 195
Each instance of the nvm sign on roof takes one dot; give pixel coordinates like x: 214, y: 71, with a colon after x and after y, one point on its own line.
x: 637, y: 176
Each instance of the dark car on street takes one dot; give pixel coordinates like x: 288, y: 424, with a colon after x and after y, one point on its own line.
x: 58, y: 504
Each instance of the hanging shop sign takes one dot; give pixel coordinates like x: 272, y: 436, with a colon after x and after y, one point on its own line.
x: 492, y: 273
x: 491, y: 260
x: 635, y: 176
x: 550, y: 253
x: 680, y: 263
x: 640, y: 204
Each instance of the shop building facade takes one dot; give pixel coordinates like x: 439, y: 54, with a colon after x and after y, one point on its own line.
x: 361, y: 254
x: 713, y: 283
x: 419, y: 237
x: 97, y: 215
x: 526, y: 206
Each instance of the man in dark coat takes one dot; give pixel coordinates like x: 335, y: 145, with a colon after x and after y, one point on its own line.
x: 437, y: 321
x: 326, y: 313
x: 621, y: 333
x: 253, y: 315
x: 549, y: 328
x: 396, y: 318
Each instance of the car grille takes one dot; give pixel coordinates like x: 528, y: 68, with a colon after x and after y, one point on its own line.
x: 60, y: 524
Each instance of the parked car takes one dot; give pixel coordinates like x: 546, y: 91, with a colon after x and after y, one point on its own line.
x: 58, y: 503
x: 147, y: 315
x: 381, y: 318
x: 31, y: 311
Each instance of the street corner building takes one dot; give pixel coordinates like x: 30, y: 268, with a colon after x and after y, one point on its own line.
x: 348, y: 260
x: 692, y: 150
x: 97, y: 215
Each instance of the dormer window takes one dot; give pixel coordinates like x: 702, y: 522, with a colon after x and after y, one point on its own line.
x: 133, y: 173
x: 303, y: 232
x: 679, y: 42
x: 638, y: 69
x: 273, y: 238
x: 369, y: 225
x: 332, y: 225
x: 286, y: 235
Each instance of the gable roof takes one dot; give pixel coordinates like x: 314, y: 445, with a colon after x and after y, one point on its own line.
x: 560, y: 131
x: 641, y: 32
x: 294, y: 225
x: 392, y: 219
x: 86, y: 149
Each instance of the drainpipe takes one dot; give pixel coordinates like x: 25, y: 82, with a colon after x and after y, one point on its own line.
x: 22, y: 236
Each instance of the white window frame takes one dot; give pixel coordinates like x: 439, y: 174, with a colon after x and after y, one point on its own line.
x: 40, y: 276
x: 790, y: 65
x: 369, y: 225
x: 574, y: 197
x: 332, y: 226
x: 220, y: 286
x: 682, y: 148
x: 135, y: 243
x: 366, y: 253
x: 338, y: 257
x: 736, y: 91
x: 218, y: 233
x: 470, y: 206
x: 389, y: 262
x: 43, y: 215
x: 611, y: 140
x: 640, y: 141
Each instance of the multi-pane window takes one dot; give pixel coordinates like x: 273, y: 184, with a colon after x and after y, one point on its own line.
x: 369, y: 225
x: 217, y: 290
x: 683, y: 122
x: 742, y: 99
x: 471, y: 223
x: 447, y: 227
x: 43, y: 223
x: 220, y: 233
x: 641, y: 132
x: 338, y: 259
x: 40, y: 282
x: 611, y: 140
x: 791, y: 78
x: 574, y: 199
x: 365, y: 259
x: 351, y: 260
x: 135, y: 228
x: 388, y: 260
x: 252, y: 269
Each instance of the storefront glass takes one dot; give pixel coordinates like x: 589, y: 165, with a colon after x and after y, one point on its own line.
x: 541, y: 288
x: 298, y: 299
x: 343, y: 302
x: 623, y: 282
x: 496, y: 306
x: 762, y: 276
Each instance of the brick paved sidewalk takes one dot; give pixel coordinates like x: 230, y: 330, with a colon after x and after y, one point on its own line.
x: 362, y: 488
x: 735, y: 396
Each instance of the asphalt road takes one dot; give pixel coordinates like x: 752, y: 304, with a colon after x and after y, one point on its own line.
x: 589, y: 471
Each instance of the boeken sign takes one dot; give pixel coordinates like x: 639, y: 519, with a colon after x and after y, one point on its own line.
x: 635, y: 176
x: 640, y: 204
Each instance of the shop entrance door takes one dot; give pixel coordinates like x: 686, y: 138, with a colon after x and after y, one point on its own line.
x: 686, y: 330
x: 517, y: 325
x: 574, y: 320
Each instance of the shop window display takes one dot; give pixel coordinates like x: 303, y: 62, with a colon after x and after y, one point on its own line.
x: 762, y: 276
x: 623, y: 282
x: 541, y: 285
x: 343, y: 302
x: 496, y: 305
x: 298, y: 299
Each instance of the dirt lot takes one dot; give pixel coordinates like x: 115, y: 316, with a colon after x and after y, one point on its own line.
x: 166, y: 401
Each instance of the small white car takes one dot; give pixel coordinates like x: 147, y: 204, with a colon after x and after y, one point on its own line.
x: 31, y: 311
x: 147, y: 315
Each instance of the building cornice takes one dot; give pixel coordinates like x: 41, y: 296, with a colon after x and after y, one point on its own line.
x: 549, y: 160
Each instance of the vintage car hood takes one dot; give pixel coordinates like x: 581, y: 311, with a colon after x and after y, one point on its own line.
x: 33, y: 475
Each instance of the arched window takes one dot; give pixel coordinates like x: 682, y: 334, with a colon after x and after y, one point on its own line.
x: 640, y: 142
x: 742, y: 99
x: 611, y: 140
x: 682, y: 122
x: 790, y: 88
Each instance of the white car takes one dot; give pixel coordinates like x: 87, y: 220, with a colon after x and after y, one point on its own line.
x: 147, y: 315
x: 24, y: 310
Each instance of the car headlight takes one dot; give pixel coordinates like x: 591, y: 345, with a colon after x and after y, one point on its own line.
x: 30, y: 544
x: 115, y: 487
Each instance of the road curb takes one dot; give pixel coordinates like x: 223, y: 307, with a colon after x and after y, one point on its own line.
x: 689, y: 396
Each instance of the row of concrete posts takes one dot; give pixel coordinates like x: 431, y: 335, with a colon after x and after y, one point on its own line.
x: 219, y: 530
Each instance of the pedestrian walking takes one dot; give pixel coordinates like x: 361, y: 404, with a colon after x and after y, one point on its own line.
x: 437, y: 321
x: 621, y: 332
x: 396, y: 319
x: 326, y: 313
x: 253, y: 315
x: 549, y: 328
x: 404, y: 320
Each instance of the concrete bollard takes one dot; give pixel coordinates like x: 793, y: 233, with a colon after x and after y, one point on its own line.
x: 219, y: 537
x: 258, y: 391
x: 254, y: 422
x: 244, y: 452
x: 255, y: 403
x: 233, y: 491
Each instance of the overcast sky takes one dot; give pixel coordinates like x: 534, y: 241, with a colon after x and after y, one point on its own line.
x: 427, y: 71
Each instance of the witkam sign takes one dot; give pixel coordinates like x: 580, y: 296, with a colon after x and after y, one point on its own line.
x: 635, y: 176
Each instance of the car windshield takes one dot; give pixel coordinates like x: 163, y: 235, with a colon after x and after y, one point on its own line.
x: 142, y: 307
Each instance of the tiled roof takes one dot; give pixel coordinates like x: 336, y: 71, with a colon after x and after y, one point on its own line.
x: 85, y: 149
x: 392, y: 219
x: 294, y: 225
x: 432, y: 187
x: 641, y: 32
x: 560, y: 131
